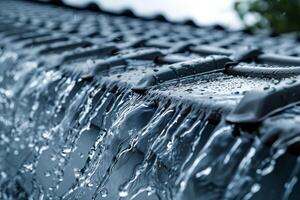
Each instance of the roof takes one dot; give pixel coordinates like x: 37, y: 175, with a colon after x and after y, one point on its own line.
x: 245, y: 81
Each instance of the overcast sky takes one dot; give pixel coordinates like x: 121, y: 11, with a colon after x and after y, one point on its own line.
x: 202, y: 11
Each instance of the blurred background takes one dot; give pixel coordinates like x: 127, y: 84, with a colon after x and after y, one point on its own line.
x: 275, y: 16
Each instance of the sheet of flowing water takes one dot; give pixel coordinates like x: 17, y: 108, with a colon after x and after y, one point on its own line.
x: 184, y: 155
x: 121, y: 104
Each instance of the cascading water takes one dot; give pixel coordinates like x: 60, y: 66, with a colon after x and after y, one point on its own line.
x: 45, y: 114
x: 65, y: 134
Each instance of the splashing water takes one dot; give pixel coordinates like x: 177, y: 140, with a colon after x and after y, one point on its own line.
x: 66, y: 137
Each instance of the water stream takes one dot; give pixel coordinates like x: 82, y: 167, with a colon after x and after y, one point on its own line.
x: 66, y: 137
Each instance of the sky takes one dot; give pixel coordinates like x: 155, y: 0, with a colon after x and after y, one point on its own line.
x: 203, y: 12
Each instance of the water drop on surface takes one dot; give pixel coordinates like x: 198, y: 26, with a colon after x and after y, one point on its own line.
x: 53, y: 157
x: 47, y: 174
x: 90, y: 185
x: 104, y: 192
x: 81, y: 155
x: 3, y: 175
x: 77, y: 172
x: 66, y: 151
x: 28, y: 167
x: 123, y: 193
x: 255, y: 188
x: 46, y: 135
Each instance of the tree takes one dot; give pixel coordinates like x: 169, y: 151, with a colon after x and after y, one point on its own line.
x: 277, y: 16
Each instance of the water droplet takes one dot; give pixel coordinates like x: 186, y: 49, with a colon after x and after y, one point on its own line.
x: 46, y: 135
x: 123, y: 193
x: 77, y: 172
x: 66, y: 151
x: 104, y: 192
x: 255, y: 188
x: 47, y: 174
x: 90, y: 185
x: 81, y: 155
x: 28, y: 167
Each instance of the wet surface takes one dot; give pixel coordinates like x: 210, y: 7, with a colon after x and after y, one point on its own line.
x: 72, y: 131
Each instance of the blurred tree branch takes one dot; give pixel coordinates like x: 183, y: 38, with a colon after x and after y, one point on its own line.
x: 278, y: 16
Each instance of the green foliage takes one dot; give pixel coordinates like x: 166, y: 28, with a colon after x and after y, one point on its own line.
x: 278, y: 16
